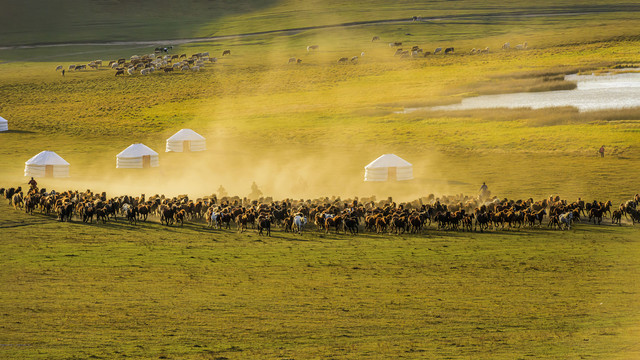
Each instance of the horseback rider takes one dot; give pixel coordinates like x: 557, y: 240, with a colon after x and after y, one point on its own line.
x: 484, y: 191
x: 33, y: 183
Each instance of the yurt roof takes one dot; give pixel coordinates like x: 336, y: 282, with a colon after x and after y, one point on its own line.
x: 388, y: 160
x: 136, y: 150
x: 186, y: 134
x: 47, y: 158
x: 3, y: 120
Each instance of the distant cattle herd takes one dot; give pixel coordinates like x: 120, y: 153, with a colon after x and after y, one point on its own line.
x: 163, y: 62
x: 350, y: 216
x: 150, y: 63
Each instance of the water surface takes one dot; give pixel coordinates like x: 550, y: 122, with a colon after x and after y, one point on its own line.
x: 594, y: 92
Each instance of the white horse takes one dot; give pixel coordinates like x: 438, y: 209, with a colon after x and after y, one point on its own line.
x: 213, y: 219
x: 565, y: 219
x: 299, y: 222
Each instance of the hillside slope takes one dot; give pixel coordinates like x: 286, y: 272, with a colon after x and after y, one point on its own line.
x: 76, y: 21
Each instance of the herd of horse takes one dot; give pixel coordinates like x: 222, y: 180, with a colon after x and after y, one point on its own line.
x: 455, y: 213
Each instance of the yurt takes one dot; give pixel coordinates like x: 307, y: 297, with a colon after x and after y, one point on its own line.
x: 186, y: 140
x: 388, y: 167
x: 46, y: 164
x: 4, y: 124
x: 137, y: 156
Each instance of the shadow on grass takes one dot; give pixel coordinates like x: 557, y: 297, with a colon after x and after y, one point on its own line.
x: 191, y: 229
x: 18, y: 132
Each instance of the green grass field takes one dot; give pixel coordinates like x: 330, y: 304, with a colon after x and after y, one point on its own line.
x: 75, y: 290
x: 78, y: 291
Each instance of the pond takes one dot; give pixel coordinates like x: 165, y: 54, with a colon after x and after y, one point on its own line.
x: 594, y: 92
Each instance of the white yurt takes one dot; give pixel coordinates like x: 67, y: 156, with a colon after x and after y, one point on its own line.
x: 388, y: 167
x: 186, y: 140
x: 46, y: 164
x: 137, y: 156
x: 4, y: 124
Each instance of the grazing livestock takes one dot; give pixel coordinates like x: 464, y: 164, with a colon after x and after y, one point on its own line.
x: 264, y: 223
x: 450, y: 213
x: 17, y: 200
x: 375, y: 38
x: 595, y: 214
x: 226, y: 52
x: 354, y: 59
x: 437, y: 50
x: 299, y: 222
x: 616, y: 217
x: 506, y: 46
x: 292, y: 60
x: 65, y: 211
x: 241, y: 222
x: 532, y: 218
x: 214, y: 219
x: 635, y: 215
x: 179, y: 216
x: 8, y: 193
x: 167, y: 215
x: 335, y: 222
x: 343, y: 60
x: 120, y: 72
x: 448, y: 50
x: 565, y: 220
x: 130, y: 214
x: 71, y: 67
x: 101, y: 215
x: 395, y: 44
x: 313, y: 47
x: 59, y: 67
x: 351, y: 224
x: 521, y: 46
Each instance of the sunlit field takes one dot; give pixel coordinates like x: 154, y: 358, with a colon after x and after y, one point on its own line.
x: 305, y: 130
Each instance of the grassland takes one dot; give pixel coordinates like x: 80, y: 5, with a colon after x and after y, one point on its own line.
x: 115, y: 291
x: 315, y: 120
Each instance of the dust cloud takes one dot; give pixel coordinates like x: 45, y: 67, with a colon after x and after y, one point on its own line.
x: 293, y: 174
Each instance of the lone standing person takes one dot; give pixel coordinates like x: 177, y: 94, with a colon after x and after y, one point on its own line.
x: 601, y: 151
x: 62, y: 72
